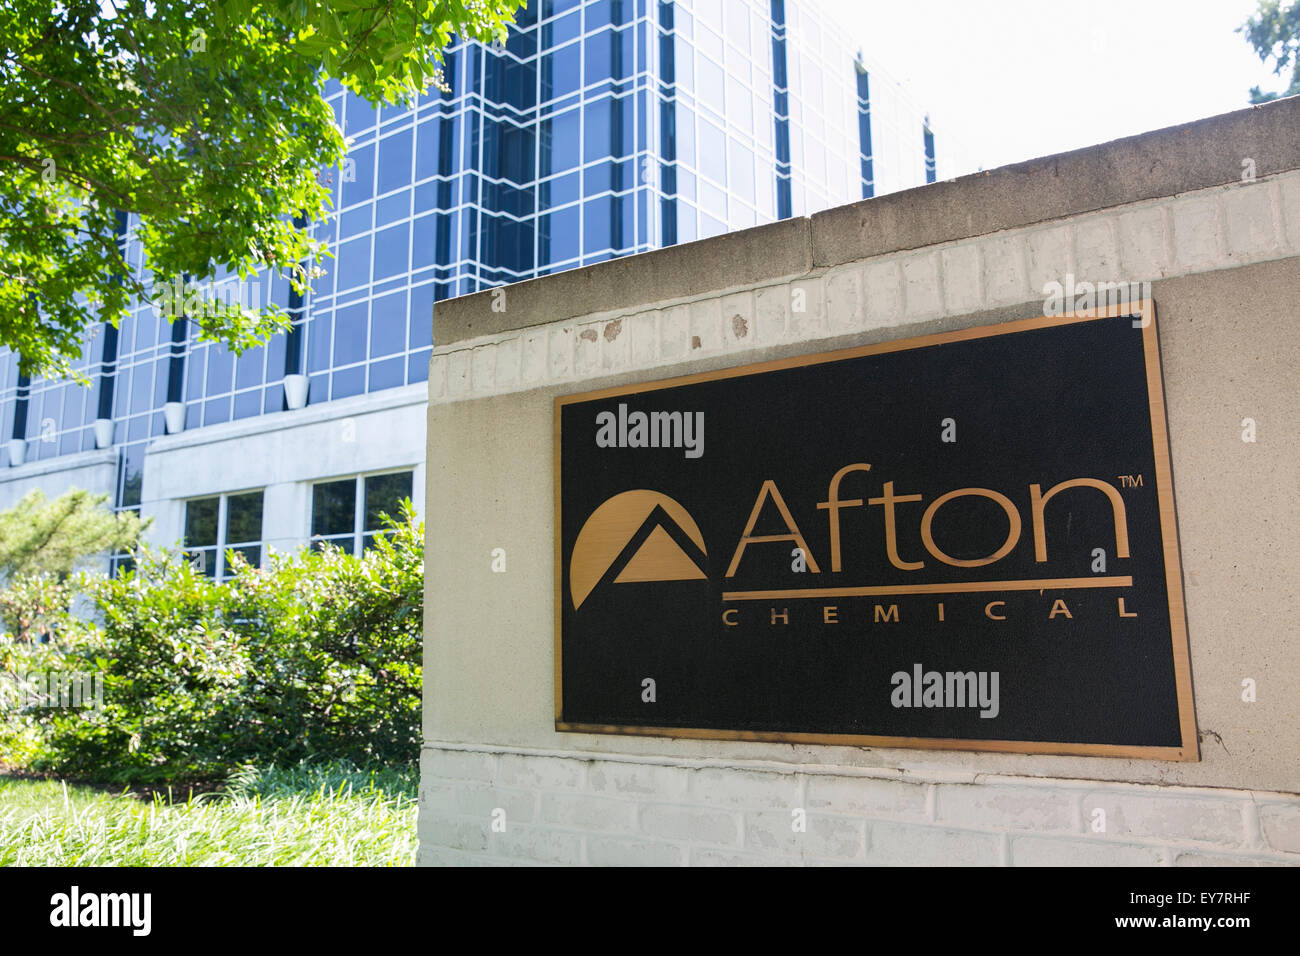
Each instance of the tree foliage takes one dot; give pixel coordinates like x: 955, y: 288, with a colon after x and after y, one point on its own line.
x: 1274, y: 32
x: 206, y: 118
x: 44, y: 537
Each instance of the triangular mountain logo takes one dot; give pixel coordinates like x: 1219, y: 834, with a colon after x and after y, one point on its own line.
x: 636, y: 536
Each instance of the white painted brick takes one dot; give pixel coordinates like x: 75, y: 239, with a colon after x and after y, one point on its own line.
x: 538, y: 843
x: 532, y: 363
x: 458, y: 765
x: 480, y: 802
x: 715, y: 856
x: 589, y: 813
x: 539, y: 773
x: 612, y: 851
x: 903, y: 844
x: 1248, y: 221
x: 437, y: 375
x: 1228, y: 859
x: 1043, y: 809
x: 844, y: 299
x: 615, y: 345
x: 645, y: 780
x: 883, y: 292
x: 1049, y: 256
x: 1289, y: 189
x: 507, y: 367
x: 1280, y: 826
x: 674, y: 332
x: 1005, y: 281
x: 867, y: 796
x: 644, y: 329
x: 706, y: 326
x: 745, y: 788
x: 483, y: 367
x: 963, y: 279
x: 771, y: 310
x: 810, y: 322
x: 738, y: 319
x: 454, y: 832
x: 691, y: 824
x: 458, y: 372
x: 921, y: 291
x: 1168, y: 817
x: 1043, y: 851
x: 1143, y: 253
x: 1097, y: 250
x: 825, y: 836
x: 586, y: 358
x: 1196, y: 233
x: 437, y: 797
x: 560, y: 354
x: 430, y: 855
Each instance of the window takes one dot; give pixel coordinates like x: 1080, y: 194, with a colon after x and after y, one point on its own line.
x: 220, y: 523
x: 345, y: 513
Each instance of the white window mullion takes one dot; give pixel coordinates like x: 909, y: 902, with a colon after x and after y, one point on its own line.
x: 220, y: 557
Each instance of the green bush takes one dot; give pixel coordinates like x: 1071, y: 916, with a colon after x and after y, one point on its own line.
x: 315, y: 656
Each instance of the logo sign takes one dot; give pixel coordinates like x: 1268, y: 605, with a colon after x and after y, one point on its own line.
x: 962, y: 541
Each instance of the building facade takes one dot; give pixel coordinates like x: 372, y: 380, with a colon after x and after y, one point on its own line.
x: 600, y: 129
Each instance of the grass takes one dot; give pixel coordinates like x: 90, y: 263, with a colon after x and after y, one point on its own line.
x: 324, y: 815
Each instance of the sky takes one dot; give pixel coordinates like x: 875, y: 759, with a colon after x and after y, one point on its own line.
x: 1011, y: 80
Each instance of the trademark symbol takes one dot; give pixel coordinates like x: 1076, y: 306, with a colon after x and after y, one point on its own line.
x: 1130, y: 481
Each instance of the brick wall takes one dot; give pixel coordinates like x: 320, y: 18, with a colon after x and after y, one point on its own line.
x: 529, y: 807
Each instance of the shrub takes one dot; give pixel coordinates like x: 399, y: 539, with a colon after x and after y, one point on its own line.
x: 316, y: 655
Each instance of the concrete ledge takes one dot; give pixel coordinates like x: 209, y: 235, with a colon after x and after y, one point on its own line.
x: 1165, y: 162
x: 1162, y: 163
x: 50, y: 466
x: 776, y: 250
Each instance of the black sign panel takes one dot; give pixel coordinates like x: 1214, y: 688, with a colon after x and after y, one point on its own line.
x: 963, y: 541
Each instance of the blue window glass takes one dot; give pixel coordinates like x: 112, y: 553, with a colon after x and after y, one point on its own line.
x: 350, y: 334
x: 392, y: 246
x: 221, y: 370
x: 360, y: 114
x: 353, y: 264
x: 358, y: 175
x: 560, y: 232
x: 348, y: 382
x: 417, y: 367
x: 423, y: 240
x: 319, y: 329
x: 388, y: 324
x: 421, y: 321
x: 248, y: 368
x: 395, y: 161
x: 426, y: 150
x: 596, y: 136
x: 562, y: 29
x: 560, y: 71
x: 598, y: 50
x: 394, y: 207
x: 559, y: 191
x: 387, y: 374
x: 216, y: 411
x: 248, y: 404
x: 560, y: 143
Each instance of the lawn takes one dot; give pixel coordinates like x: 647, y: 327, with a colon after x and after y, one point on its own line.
x: 306, y: 816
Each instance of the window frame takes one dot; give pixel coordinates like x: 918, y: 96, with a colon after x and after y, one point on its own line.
x: 359, y: 531
x: 222, y: 545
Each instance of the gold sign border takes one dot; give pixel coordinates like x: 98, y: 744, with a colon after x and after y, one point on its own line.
x: 1189, y: 750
